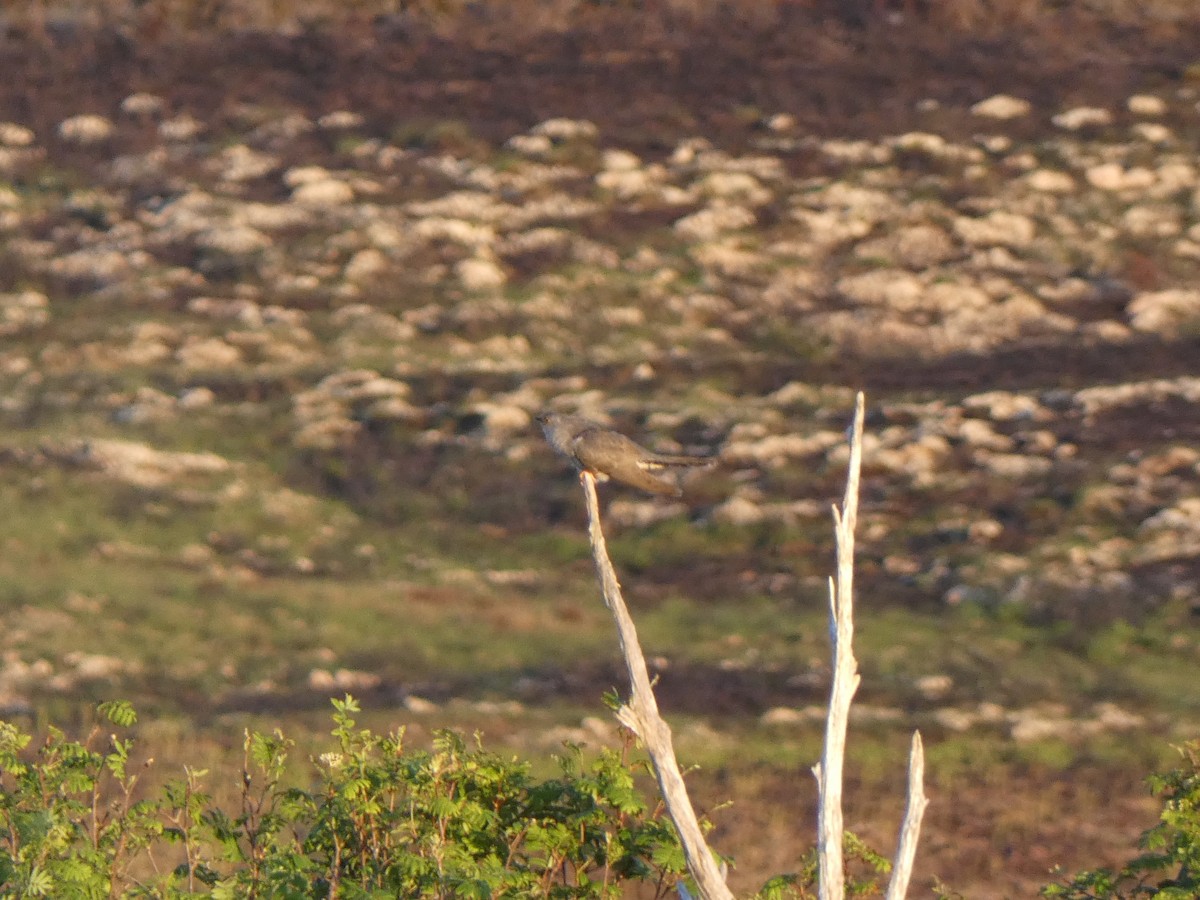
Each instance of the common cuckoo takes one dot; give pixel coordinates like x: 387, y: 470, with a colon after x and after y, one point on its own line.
x: 591, y: 447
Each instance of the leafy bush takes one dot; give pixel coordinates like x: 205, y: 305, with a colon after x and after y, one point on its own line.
x: 1169, y: 867
x: 379, y: 821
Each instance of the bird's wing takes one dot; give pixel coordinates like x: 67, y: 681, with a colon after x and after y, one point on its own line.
x: 601, y: 448
x: 611, y: 453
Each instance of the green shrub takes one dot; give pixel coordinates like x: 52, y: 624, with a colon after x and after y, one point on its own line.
x: 1169, y: 867
x: 378, y: 821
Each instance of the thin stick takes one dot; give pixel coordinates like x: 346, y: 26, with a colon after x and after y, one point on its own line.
x: 910, y: 830
x: 829, y: 772
x: 642, y: 717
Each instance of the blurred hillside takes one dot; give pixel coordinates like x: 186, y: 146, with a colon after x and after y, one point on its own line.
x: 281, y: 286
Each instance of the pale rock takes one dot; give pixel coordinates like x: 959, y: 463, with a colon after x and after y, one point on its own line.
x: 1006, y: 406
x: 1164, y: 312
x: 688, y: 150
x: 234, y: 240
x: 1001, y: 106
x: 921, y: 459
x: 623, y: 316
x: 419, y: 705
x: 923, y: 246
x: 1013, y: 465
x: 241, y: 163
x: 270, y: 216
x: 472, y: 205
x: 1173, y: 176
x: 196, y: 398
x: 1153, y: 133
x: 1157, y: 221
x: 1112, y: 176
x: 857, y: 153
x: 298, y: 175
x: 934, y: 687
x: 456, y: 231
x: 534, y: 146
x: 560, y: 130
x: 23, y: 311
x: 341, y: 120
x: 1082, y: 117
x: 953, y: 719
x: 706, y: 224
x: 180, y: 128
x: 143, y: 105
x: 984, y: 531
x: 978, y: 433
x: 366, y: 265
x: 14, y: 135
x: 352, y: 386
x: 1050, y: 181
x: 98, y: 666
x: 629, y: 183
x: 775, y: 450
x: 342, y: 680
x: 739, y: 510
x: 999, y: 227
x: 936, y: 146
x: 640, y: 513
x: 953, y: 299
x: 1111, y: 717
x: 208, y: 354
x: 144, y: 466
x: 1172, y: 461
x: 1184, y: 516
x: 323, y: 192
x: 282, y: 130
x: 1097, y: 399
x: 734, y: 186
x: 730, y: 257
x: 893, y: 288
x: 500, y: 420
x: 1186, y: 249
x: 620, y: 161
x: 828, y: 228
x: 480, y: 273
x: 1146, y: 105
x: 85, y: 130
x: 788, y: 715
x: 326, y: 434
x: 1028, y: 727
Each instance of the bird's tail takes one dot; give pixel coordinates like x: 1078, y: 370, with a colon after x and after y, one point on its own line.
x: 676, y: 461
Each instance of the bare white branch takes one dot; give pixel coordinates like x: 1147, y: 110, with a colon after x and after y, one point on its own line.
x: 642, y: 716
x: 829, y: 771
x: 830, y: 826
x: 910, y: 829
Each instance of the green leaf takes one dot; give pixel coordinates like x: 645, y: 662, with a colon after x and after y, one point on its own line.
x: 118, y: 712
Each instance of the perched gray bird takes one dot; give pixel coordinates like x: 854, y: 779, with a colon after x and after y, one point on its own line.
x: 605, y: 453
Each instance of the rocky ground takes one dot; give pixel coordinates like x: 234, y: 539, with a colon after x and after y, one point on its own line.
x: 277, y: 298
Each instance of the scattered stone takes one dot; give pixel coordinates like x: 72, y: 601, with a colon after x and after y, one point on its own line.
x: 86, y: 130
x: 1001, y: 106
x: 1146, y: 105
x: 139, y: 464
x: 1082, y: 117
x: 23, y: 312
x: 14, y: 135
x: 1165, y: 312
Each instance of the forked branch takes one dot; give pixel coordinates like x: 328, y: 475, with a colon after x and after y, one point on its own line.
x: 829, y: 771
